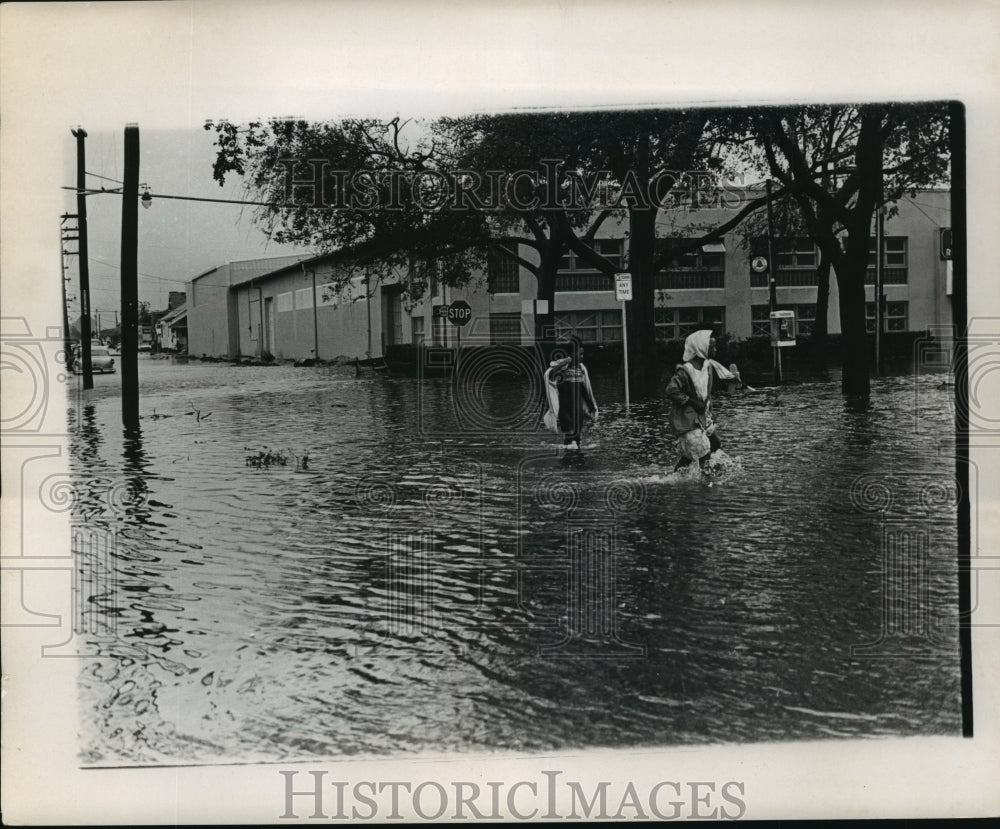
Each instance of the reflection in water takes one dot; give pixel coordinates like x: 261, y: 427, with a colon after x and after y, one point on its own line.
x: 424, y: 588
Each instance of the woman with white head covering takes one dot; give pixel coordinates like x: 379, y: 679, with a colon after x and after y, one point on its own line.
x: 690, y: 394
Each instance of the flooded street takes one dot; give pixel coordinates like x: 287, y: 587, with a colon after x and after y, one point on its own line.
x: 433, y: 583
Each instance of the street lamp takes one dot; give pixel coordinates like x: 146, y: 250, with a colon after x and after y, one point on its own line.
x: 147, y: 199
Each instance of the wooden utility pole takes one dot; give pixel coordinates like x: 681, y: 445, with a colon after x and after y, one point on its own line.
x: 63, y: 238
x: 67, y: 347
x: 772, y: 266
x: 772, y: 274
x: 81, y: 212
x: 130, y: 280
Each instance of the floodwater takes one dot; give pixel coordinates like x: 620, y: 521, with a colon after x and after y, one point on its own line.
x: 442, y: 577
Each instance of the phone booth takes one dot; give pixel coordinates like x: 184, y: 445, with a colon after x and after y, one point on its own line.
x: 783, y: 329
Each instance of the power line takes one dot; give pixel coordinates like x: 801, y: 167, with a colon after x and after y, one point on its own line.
x: 117, y: 192
x: 151, y: 276
x: 147, y: 275
x: 926, y: 214
x: 96, y: 175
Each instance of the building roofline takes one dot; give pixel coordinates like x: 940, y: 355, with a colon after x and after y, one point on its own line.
x: 206, y: 273
x: 174, y: 313
x: 232, y: 262
x: 284, y: 269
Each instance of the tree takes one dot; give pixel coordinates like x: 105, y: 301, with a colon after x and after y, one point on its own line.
x: 593, y: 166
x: 841, y: 164
x: 559, y: 178
x: 656, y: 158
x: 347, y: 187
x: 550, y: 196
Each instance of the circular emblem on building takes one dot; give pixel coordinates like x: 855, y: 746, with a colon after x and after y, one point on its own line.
x: 759, y: 264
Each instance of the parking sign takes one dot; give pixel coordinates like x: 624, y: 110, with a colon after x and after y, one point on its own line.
x: 623, y: 287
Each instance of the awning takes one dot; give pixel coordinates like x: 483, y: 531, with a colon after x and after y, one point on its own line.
x: 714, y: 247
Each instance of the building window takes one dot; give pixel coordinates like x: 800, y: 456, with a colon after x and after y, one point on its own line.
x: 590, y: 326
x: 584, y: 282
x: 575, y: 275
x: 894, y: 252
x: 610, y: 249
x: 805, y: 318
x: 704, y: 267
x: 440, y: 328
x: 505, y: 328
x: 678, y: 323
x: 417, y: 328
x: 797, y: 260
x: 503, y: 273
x: 796, y: 253
x: 760, y: 318
x: 894, y: 261
x: 893, y: 320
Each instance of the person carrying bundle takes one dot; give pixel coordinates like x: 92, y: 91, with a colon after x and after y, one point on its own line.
x: 690, y: 394
x: 569, y: 395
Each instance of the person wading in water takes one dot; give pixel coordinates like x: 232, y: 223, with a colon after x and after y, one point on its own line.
x: 570, y: 396
x: 690, y: 394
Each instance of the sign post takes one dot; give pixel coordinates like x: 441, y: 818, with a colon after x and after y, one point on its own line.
x: 459, y: 313
x: 623, y: 293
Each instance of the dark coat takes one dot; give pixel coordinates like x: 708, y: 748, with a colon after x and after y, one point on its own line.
x: 680, y: 393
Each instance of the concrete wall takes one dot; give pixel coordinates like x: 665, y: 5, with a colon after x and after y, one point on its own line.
x: 344, y: 323
x: 209, y: 314
x: 919, y: 220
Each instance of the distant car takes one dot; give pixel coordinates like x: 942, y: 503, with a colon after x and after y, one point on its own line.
x: 101, y: 360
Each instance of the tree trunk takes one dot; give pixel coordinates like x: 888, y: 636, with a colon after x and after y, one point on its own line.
x: 855, y: 380
x: 548, y: 270
x: 640, y: 313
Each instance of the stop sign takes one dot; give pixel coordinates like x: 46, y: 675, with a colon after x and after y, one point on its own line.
x: 460, y: 312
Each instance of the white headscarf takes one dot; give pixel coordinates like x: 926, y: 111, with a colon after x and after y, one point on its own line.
x: 696, y: 345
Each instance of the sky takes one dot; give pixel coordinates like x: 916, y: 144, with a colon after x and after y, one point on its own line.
x: 177, y: 239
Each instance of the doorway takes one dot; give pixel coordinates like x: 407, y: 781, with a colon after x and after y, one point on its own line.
x: 392, y: 315
x: 268, y: 342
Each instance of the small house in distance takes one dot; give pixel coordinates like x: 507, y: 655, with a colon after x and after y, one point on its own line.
x: 171, y: 330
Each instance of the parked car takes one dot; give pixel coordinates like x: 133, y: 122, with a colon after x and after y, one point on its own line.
x: 101, y: 360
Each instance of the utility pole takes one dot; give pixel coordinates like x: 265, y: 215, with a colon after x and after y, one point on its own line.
x: 130, y: 280
x: 772, y: 266
x: 772, y: 273
x: 67, y: 349
x: 67, y: 346
x: 81, y: 219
